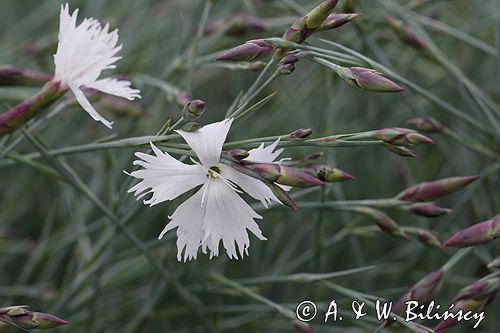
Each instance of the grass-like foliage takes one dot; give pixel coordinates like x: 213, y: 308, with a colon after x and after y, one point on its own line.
x: 389, y: 115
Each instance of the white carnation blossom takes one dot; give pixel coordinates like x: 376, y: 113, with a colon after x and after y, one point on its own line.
x: 215, y: 212
x: 83, y: 52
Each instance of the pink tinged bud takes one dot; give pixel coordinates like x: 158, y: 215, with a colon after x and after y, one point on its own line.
x: 21, y: 113
x: 21, y: 317
x: 384, y: 222
x: 287, y: 63
x: 426, y: 124
x: 423, y: 291
x: 311, y: 157
x: 334, y: 21
x: 284, y: 175
x: 402, y: 136
x: 13, y: 76
x: 428, y: 209
x: 406, y: 34
x: 193, y: 109
x: 329, y: 174
x: 480, y: 233
x: 465, y: 305
x: 388, y: 225
x: 283, y: 196
x: 300, y: 134
x: 235, y: 154
x: 399, y: 150
x: 297, y: 178
x: 286, y: 69
x: 473, y: 298
x: 495, y: 263
x: 249, y: 51
x: 429, y: 239
x: 46, y: 321
x: 436, y: 189
x: 306, y: 25
x: 367, y: 79
x: 483, y: 288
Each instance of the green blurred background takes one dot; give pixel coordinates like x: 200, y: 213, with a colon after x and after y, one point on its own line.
x: 59, y: 254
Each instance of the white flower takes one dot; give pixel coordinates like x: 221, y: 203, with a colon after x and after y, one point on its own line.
x: 215, y: 212
x: 83, y: 52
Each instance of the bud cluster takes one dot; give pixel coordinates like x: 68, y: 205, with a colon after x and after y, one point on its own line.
x: 473, y: 298
x: 402, y: 137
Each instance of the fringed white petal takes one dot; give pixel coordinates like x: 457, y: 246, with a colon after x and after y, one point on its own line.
x: 264, y: 154
x: 207, y: 141
x: 115, y: 87
x: 164, y: 177
x: 84, y: 102
x: 222, y: 216
x: 254, y: 187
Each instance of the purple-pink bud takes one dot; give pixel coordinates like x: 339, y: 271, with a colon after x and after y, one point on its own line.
x: 429, y: 239
x: 428, y: 209
x: 473, y: 298
x: 480, y: 233
x: 495, y: 263
x: 335, y: 20
x: 426, y: 124
x: 283, y: 196
x: 249, y: 51
x: 235, y: 154
x: 306, y: 25
x: 311, y: 157
x: 328, y: 174
x: 422, y: 291
x: 399, y: 150
x: 406, y: 34
x: 13, y: 76
x: 435, y: 189
x: 384, y: 222
x: 402, y: 136
x: 284, y: 175
x: 368, y: 79
x: 193, y: 109
x: 300, y: 134
x: 21, y: 317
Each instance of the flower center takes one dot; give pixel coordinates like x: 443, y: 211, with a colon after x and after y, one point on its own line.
x: 214, y: 171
